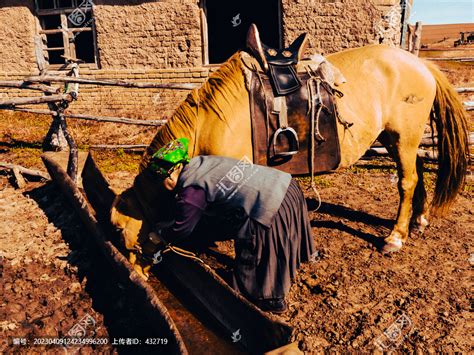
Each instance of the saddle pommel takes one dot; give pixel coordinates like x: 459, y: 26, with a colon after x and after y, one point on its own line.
x: 271, y: 56
x: 279, y: 64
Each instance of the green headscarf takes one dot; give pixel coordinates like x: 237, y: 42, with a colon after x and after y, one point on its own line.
x: 173, y: 153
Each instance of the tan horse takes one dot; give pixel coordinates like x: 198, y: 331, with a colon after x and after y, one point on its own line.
x: 389, y: 95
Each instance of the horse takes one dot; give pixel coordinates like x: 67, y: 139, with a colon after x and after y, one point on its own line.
x: 389, y: 95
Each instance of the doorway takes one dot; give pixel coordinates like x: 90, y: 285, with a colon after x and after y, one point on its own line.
x: 229, y: 21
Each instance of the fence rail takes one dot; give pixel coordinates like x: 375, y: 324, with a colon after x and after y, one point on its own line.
x: 123, y: 83
x: 459, y: 59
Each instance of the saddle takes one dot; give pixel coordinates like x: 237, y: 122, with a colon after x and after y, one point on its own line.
x: 293, y: 111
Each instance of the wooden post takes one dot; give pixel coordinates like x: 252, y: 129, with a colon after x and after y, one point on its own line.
x: 409, y: 38
x: 204, y: 36
x: 73, y: 153
x: 405, y: 12
x: 417, y: 38
x: 54, y: 141
x: 40, y: 61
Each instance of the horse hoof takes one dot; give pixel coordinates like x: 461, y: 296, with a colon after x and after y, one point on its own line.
x: 418, y: 229
x: 419, y: 225
x: 391, y: 247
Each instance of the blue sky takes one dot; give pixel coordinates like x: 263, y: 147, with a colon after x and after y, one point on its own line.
x: 442, y: 11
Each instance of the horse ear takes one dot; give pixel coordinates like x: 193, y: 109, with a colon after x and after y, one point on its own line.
x: 255, y: 45
x: 299, y: 45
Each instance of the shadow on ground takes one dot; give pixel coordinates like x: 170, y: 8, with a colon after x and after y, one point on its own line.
x: 110, y: 297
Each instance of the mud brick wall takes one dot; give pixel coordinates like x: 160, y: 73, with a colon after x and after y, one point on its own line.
x: 17, y: 31
x: 333, y: 25
x: 148, y: 34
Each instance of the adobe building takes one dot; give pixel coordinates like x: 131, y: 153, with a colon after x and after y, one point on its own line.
x: 170, y: 40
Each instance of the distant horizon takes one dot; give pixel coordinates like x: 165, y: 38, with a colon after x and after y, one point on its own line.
x: 447, y: 24
x: 442, y: 12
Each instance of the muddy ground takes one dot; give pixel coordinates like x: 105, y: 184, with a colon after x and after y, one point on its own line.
x: 350, y: 299
x: 345, y: 300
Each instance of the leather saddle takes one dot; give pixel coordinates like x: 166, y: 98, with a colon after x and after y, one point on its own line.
x: 292, y: 110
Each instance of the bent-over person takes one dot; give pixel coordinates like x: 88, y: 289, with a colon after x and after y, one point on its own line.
x: 263, y: 209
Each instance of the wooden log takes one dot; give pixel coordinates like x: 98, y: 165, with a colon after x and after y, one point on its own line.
x: 30, y: 86
x: 123, y: 120
x: 119, y: 146
x: 425, y: 142
x: 463, y: 90
x: 417, y: 39
x: 23, y: 170
x: 260, y: 332
x: 127, y: 84
x: 458, y: 59
x: 409, y: 38
x: 34, y: 100
x: 19, y: 180
x: 73, y: 162
x: 146, y: 297
x: 423, y: 153
x: 30, y: 110
x: 39, y: 56
x: 380, y: 151
x: 55, y: 140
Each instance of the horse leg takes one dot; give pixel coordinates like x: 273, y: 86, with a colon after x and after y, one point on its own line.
x: 420, y: 215
x: 405, y: 156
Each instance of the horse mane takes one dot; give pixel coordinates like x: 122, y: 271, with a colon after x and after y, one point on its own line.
x: 213, y: 96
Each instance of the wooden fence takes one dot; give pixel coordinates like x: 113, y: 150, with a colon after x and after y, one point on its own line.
x: 58, y: 100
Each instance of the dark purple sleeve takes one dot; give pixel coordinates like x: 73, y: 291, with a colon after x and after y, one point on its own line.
x: 190, y: 205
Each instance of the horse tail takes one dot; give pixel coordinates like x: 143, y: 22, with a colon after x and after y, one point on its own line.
x: 453, y: 146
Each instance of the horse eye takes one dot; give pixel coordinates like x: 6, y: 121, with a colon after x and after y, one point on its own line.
x: 286, y: 54
x: 272, y: 52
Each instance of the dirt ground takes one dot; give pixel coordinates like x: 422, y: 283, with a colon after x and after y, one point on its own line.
x: 351, y: 298
x: 344, y: 300
x: 352, y: 294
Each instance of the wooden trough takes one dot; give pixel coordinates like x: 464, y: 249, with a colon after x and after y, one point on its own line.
x: 210, y: 317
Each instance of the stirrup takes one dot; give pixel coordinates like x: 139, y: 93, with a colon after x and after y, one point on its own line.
x: 292, y: 136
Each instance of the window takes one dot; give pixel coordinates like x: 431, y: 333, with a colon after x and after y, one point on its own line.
x: 67, y: 30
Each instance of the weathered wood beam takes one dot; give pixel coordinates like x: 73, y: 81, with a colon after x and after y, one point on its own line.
x: 34, y: 100
x: 119, y: 146
x: 29, y: 110
x: 30, y: 86
x: 158, y: 315
x: 458, y: 59
x: 425, y: 142
x: 260, y: 332
x: 423, y: 153
x: 19, y: 179
x: 417, y: 39
x: 123, y: 120
x: 24, y: 170
x: 462, y: 90
x: 123, y: 83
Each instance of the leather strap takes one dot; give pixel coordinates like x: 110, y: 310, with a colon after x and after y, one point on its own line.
x: 281, y: 110
x: 284, y: 79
